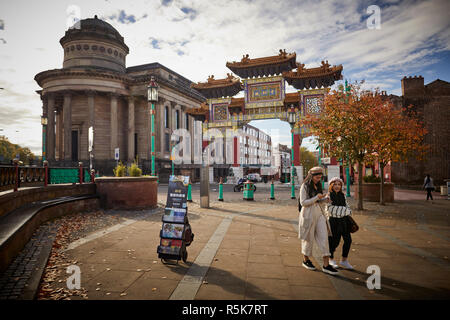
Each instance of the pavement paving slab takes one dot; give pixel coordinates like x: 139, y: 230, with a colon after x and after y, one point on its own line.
x: 251, y: 251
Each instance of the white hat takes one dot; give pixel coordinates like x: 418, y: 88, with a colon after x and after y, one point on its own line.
x: 333, y: 180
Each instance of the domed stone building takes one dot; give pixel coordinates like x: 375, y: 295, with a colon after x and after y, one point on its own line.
x: 95, y: 88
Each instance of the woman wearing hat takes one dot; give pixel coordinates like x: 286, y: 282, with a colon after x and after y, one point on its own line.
x: 313, y: 225
x: 338, y: 212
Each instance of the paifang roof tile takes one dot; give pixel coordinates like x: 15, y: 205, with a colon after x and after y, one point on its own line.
x: 216, y: 88
x: 265, y: 66
x: 323, y: 76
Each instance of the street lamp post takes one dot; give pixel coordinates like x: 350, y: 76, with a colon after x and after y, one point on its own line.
x: 347, y: 169
x: 152, y: 95
x: 291, y: 120
x: 44, y: 121
x: 171, y: 157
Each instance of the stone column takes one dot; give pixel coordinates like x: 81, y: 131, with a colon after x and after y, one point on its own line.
x: 44, y: 129
x: 58, y: 142
x: 67, y: 109
x: 91, y: 107
x: 51, y: 127
x: 131, y: 128
x: 114, y: 125
x: 91, y: 123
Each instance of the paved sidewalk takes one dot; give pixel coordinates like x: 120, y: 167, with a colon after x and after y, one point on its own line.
x: 250, y: 250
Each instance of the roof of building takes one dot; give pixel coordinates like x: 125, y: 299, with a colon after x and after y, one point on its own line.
x: 203, y: 110
x: 217, y: 88
x: 273, y: 65
x: 323, y: 76
x: 437, y: 83
x: 179, y: 82
x: 93, y: 28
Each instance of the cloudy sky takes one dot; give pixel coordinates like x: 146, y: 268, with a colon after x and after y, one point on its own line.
x: 196, y: 38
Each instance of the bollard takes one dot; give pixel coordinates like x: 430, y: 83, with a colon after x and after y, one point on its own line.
x: 45, y: 173
x: 16, y: 184
x: 80, y: 172
x: 221, y: 190
x: 248, y: 190
x: 189, y: 193
x: 272, y: 191
x: 92, y: 176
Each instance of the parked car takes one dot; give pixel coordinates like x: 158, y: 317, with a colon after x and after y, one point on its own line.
x: 254, y: 177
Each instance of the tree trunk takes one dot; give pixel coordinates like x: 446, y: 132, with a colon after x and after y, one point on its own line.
x: 360, y: 190
x: 381, y: 165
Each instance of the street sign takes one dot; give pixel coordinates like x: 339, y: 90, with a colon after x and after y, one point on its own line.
x: 116, y: 154
x: 326, y: 160
x: 91, y: 138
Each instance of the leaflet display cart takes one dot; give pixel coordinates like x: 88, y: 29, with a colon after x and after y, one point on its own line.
x: 176, y: 232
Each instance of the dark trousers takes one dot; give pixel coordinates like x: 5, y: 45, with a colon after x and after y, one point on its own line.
x: 429, y: 195
x: 339, y: 228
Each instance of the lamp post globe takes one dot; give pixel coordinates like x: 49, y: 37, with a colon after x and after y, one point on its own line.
x: 152, y: 90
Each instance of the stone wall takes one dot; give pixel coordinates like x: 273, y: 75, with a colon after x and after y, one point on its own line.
x: 371, y: 191
x: 432, y: 102
x: 80, y: 122
x: 14, y: 200
x: 102, y: 128
x: 130, y: 193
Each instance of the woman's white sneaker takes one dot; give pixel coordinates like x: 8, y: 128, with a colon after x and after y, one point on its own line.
x: 333, y: 264
x: 345, y: 264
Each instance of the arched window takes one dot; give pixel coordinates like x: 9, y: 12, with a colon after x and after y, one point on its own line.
x: 166, y: 117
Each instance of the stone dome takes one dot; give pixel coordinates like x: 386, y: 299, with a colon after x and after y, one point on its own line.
x: 94, y: 43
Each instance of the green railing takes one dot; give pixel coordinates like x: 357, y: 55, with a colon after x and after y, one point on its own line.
x: 67, y: 175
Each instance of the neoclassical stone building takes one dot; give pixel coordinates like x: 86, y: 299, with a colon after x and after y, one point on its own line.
x: 95, y: 88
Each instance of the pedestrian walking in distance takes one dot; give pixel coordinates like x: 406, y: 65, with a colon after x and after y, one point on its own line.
x: 429, y: 186
x: 313, y: 224
x: 338, y: 212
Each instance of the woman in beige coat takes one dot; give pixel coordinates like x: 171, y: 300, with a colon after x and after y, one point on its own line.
x: 313, y: 225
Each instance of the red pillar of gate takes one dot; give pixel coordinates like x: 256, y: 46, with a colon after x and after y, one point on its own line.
x: 235, y: 152
x: 297, y: 139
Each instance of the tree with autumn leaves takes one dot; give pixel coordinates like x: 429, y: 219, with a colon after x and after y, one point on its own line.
x: 362, y: 126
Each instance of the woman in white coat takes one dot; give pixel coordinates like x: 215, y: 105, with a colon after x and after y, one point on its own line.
x: 313, y: 225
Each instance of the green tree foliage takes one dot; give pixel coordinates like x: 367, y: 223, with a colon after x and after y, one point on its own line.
x: 307, y: 159
x: 9, y: 150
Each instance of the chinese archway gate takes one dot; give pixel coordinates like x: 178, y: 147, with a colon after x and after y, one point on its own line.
x: 264, y: 83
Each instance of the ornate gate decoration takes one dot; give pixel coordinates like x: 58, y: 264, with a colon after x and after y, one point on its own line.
x: 264, y: 84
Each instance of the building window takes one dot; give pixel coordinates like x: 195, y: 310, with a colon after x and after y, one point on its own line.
x: 177, y: 119
x: 166, y: 117
x: 167, y: 142
x: 187, y: 121
x: 74, y: 145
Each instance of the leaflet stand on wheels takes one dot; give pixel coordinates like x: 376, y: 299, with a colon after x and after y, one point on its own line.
x: 176, y: 233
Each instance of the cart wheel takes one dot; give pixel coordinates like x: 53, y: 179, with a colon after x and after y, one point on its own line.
x: 185, y: 255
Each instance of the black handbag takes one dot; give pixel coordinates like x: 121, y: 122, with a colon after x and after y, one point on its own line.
x: 352, y: 225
